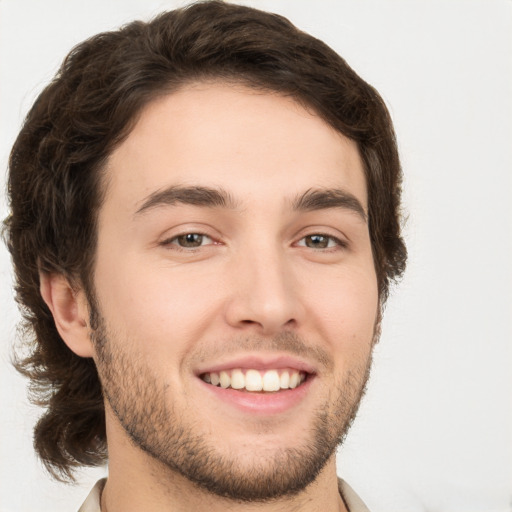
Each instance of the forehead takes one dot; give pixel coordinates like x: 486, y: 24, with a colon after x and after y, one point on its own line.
x: 254, y: 144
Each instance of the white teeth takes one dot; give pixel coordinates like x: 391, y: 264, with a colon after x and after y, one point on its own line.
x: 237, y: 379
x: 255, y: 380
x: 271, y: 381
x: 225, y: 380
x: 285, y: 380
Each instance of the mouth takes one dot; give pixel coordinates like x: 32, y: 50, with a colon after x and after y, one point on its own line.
x: 258, y: 384
x: 256, y: 381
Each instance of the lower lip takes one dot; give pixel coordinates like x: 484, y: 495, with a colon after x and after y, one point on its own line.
x: 261, y: 403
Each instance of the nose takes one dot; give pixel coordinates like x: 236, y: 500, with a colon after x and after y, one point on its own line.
x: 264, y: 295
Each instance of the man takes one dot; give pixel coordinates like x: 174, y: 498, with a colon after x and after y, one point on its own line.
x: 204, y: 226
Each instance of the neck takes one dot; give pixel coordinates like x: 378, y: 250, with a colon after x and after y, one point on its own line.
x: 138, y: 482
x: 135, y: 494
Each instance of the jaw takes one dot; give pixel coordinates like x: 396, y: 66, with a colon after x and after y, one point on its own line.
x: 220, y: 441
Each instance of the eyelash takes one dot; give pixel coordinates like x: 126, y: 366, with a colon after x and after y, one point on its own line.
x: 338, y: 244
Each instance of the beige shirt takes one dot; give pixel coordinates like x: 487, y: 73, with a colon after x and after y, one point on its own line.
x: 352, y: 501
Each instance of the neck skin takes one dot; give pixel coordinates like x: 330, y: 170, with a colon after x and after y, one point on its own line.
x: 138, y: 482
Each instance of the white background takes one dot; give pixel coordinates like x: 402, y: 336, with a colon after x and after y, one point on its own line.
x: 435, y: 430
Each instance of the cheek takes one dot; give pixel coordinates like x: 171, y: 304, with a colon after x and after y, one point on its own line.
x: 346, y: 309
x: 158, y: 303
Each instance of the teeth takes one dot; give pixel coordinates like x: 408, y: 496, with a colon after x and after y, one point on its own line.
x: 237, y: 379
x: 214, y: 379
x: 271, y: 381
x: 255, y: 380
x: 284, y: 380
x: 225, y: 380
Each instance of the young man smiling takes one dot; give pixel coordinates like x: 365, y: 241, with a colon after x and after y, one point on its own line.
x: 205, y: 222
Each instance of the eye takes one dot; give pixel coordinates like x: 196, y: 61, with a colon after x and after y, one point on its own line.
x: 189, y: 240
x: 320, y: 241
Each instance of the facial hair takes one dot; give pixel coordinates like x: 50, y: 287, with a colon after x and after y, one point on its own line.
x: 143, y: 407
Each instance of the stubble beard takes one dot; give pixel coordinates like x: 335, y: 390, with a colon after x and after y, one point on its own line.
x: 141, y: 404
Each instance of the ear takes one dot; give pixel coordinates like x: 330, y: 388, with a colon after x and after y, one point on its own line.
x: 70, y: 312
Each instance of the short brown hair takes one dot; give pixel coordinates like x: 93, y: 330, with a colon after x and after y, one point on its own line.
x: 56, y: 164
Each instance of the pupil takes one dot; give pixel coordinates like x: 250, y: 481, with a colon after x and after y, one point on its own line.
x: 190, y: 240
x: 318, y: 241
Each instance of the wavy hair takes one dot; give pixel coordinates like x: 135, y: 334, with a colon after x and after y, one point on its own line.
x: 56, y: 182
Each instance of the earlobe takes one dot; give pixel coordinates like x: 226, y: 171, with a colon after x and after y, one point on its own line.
x: 70, y: 312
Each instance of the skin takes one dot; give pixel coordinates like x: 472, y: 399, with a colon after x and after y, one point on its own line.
x: 256, y: 286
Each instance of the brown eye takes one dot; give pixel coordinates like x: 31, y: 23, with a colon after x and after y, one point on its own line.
x: 317, y: 241
x: 190, y: 240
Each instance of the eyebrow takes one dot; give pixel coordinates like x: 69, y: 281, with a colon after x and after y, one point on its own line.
x: 189, y: 195
x: 321, y: 199
x: 207, y: 197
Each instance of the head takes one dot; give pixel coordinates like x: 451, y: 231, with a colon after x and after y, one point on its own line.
x: 66, y: 174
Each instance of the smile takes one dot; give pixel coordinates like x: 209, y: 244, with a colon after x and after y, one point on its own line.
x: 256, y: 380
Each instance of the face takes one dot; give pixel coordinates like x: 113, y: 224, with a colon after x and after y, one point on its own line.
x: 236, y: 290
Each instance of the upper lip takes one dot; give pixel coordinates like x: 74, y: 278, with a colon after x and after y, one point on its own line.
x: 258, y: 362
